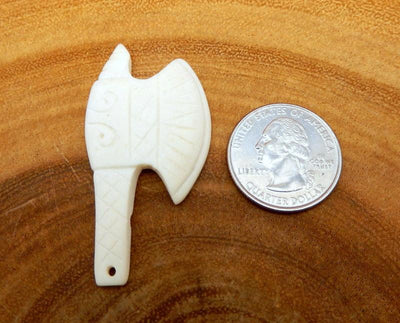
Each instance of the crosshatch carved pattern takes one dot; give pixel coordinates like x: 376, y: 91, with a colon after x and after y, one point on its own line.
x: 112, y: 217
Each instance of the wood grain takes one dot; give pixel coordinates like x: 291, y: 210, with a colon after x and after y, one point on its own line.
x: 215, y: 257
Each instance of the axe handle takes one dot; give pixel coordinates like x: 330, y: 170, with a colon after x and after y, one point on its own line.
x: 114, y: 196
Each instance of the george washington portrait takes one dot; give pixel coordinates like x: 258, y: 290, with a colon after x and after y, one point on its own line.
x: 283, y: 150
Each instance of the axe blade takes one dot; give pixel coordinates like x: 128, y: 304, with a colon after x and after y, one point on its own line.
x: 162, y: 123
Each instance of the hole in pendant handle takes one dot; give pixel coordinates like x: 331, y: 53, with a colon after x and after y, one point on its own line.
x: 112, y: 271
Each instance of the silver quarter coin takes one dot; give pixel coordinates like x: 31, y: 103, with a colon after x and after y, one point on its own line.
x: 284, y: 157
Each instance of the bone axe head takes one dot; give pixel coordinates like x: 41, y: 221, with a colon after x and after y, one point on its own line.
x: 162, y: 123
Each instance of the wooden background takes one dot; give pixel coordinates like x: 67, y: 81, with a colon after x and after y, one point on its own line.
x: 215, y: 257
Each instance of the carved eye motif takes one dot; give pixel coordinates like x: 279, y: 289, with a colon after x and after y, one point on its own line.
x: 104, y: 102
x: 105, y: 135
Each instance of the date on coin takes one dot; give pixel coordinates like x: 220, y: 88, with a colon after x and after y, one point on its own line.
x: 284, y: 157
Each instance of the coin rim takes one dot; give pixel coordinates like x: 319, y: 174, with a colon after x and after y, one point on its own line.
x: 273, y: 207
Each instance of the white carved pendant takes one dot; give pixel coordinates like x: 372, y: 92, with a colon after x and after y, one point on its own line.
x: 162, y: 123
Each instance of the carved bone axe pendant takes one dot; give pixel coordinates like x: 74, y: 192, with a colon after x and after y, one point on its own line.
x: 162, y: 123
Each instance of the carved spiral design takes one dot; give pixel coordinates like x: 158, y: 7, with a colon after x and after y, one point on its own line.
x: 105, y: 135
